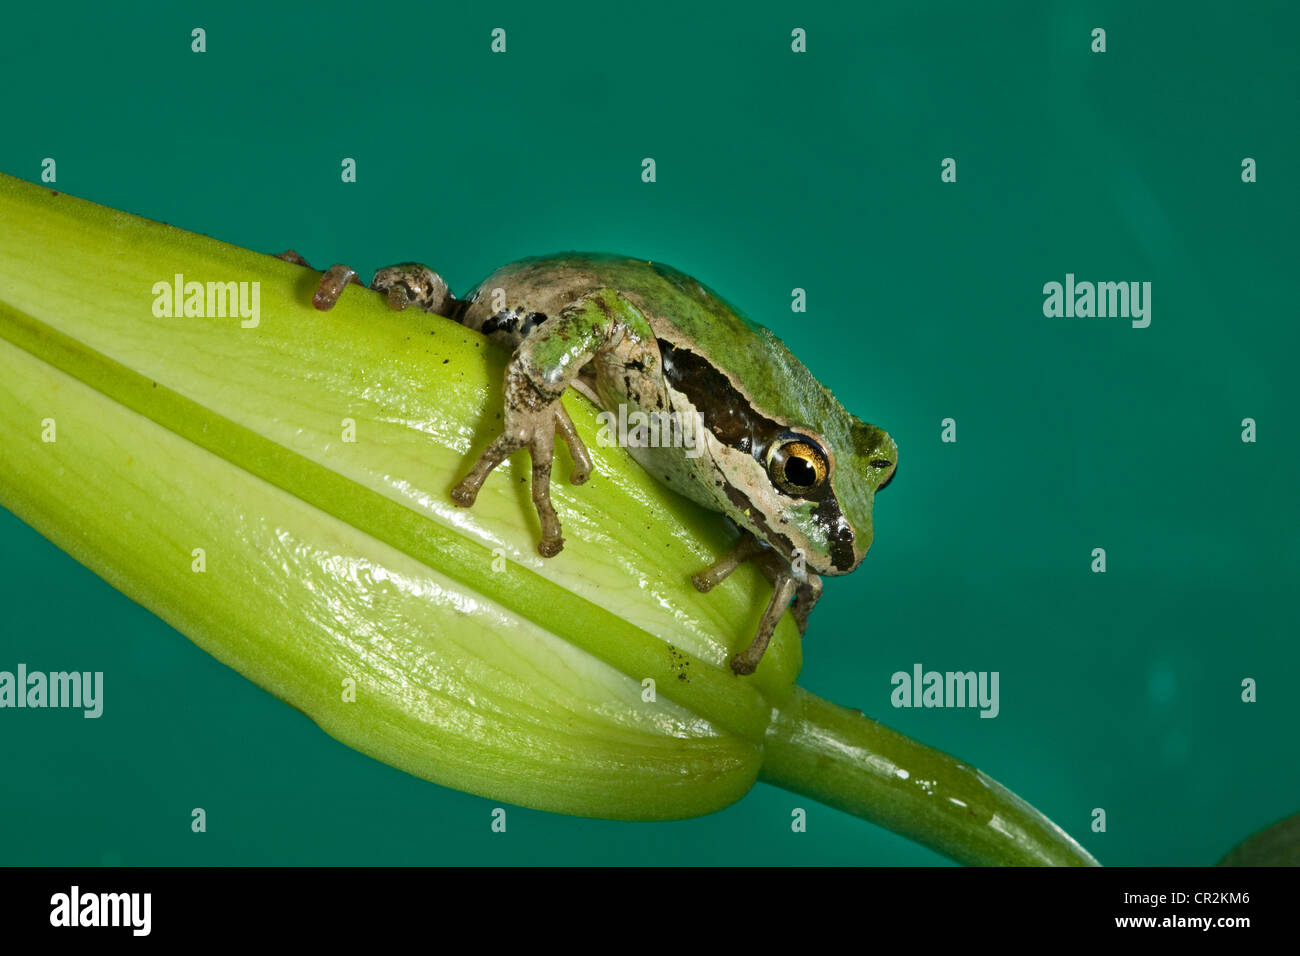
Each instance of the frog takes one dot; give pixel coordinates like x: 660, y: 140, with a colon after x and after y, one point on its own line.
x: 776, y: 452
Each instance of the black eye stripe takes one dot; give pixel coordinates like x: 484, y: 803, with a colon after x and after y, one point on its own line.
x: 727, y: 413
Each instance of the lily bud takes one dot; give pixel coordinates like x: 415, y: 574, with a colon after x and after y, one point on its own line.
x: 203, y: 406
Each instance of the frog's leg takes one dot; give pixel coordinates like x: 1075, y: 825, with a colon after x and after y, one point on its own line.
x: 407, y: 283
x: 746, y: 549
x: 543, y: 366
x: 783, y: 590
x: 529, y: 403
x: 806, y: 597
x: 785, y: 585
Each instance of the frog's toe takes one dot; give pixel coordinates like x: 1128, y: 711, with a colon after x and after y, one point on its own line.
x: 290, y: 255
x: 501, y: 449
x: 332, y: 283
x: 582, y: 464
x: 742, y: 666
x: 464, y: 495
x: 542, y: 449
x: 704, y: 581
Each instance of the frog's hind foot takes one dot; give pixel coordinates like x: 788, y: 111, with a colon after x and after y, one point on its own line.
x: 410, y: 283
x: 405, y: 284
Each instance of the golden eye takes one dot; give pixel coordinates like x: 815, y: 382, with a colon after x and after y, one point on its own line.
x: 797, y: 466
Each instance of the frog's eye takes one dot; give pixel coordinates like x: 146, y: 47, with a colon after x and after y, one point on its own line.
x: 797, y: 466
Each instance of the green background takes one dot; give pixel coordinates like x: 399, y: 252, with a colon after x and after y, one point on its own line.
x: 775, y: 171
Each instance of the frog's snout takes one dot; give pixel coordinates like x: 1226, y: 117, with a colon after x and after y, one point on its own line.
x: 884, y: 484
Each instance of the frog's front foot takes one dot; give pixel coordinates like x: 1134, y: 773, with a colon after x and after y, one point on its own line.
x: 785, y: 585
x: 783, y: 590
x: 746, y: 550
x: 532, y: 419
x: 544, y: 365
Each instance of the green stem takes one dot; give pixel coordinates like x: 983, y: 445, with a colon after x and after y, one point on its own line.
x: 846, y: 760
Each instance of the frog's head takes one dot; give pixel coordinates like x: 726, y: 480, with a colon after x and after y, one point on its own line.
x: 823, y: 489
x: 815, y: 467
x: 792, y: 466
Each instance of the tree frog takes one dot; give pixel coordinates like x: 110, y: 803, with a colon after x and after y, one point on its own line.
x: 778, y: 454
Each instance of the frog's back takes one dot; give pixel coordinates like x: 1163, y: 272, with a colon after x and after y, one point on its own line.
x: 543, y: 285
x: 681, y: 310
x: 757, y: 369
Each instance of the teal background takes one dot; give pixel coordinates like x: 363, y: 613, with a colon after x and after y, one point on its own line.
x: 775, y: 170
